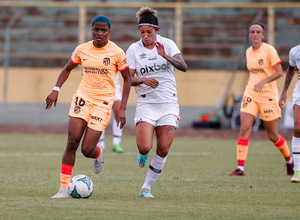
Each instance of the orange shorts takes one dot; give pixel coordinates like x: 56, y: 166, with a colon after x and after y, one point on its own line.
x: 97, y: 115
x: 268, y: 111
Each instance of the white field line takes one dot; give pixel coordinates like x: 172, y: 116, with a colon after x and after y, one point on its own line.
x: 110, y: 154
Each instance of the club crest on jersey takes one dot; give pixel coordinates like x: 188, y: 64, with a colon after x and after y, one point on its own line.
x: 77, y: 109
x: 260, y: 62
x: 154, y: 68
x: 106, y: 61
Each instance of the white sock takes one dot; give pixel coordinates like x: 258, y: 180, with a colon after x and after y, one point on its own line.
x: 241, y: 168
x: 154, y: 170
x: 290, y: 161
x: 296, y: 152
x: 101, y: 142
x: 117, y: 133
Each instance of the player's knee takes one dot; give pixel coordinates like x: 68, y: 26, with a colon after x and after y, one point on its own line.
x: 86, y: 152
x: 245, y: 132
x: 72, y: 144
x: 143, y: 151
x: 144, y: 148
x: 273, y: 137
x: 162, y: 152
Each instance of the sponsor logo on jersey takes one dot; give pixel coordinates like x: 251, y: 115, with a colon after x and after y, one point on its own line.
x: 152, y: 58
x: 96, y: 118
x: 95, y: 70
x: 154, y: 68
x: 106, y: 61
x: 257, y: 70
x: 260, y: 62
x: 142, y: 56
x: 124, y: 61
x: 268, y: 111
x: 140, y: 120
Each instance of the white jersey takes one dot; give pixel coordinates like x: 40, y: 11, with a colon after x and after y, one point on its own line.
x: 294, y: 61
x: 149, y: 64
x: 294, y: 58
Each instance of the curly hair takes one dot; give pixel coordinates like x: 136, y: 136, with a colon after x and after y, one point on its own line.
x: 147, y: 16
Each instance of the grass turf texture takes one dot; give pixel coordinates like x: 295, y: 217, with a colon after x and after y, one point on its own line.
x: 194, y: 183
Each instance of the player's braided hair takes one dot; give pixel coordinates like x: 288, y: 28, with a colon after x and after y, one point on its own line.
x: 147, y: 16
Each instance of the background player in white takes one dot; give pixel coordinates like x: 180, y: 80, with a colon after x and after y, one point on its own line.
x: 152, y: 59
x: 117, y: 131
x: 294, y: 65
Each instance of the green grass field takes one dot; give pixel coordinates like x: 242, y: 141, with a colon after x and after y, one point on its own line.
x: 194, y: 183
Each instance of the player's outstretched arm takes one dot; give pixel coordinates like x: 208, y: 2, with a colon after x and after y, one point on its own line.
x: 63, y: 76
x: 121, y: 116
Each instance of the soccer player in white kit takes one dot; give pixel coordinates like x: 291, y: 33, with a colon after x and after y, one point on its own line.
x: 151, y: 64
x: 117, y: 131
x: 294, y: 65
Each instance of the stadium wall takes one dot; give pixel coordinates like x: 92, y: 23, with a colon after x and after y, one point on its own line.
x: 199, y: 92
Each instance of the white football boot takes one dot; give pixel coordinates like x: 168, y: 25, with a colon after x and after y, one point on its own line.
x: 98, y: 163
x: 62, y: 193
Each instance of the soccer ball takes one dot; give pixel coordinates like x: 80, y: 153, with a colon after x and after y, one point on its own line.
x: 81, y: 186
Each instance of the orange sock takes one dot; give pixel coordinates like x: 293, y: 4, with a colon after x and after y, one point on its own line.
x: 282, y: 146
x: 65, y: 175
x: 242, y: 151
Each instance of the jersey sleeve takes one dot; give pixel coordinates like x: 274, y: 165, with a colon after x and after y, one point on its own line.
x: 274, y: 58
x: 130, y: 57
x: 122, y: 61
x: 172, y: 48
x: 75, y: 58
x: 292, y: 58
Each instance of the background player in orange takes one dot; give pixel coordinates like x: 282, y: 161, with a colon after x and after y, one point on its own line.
x: 91, y: 105
x: 261, y: 97
x: 294, y: 66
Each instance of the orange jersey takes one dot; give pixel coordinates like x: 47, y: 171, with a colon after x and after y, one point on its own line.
x: 99, y: 68
x: 260, y: 64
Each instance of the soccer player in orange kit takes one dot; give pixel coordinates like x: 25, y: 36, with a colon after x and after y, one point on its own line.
x: 261, y: 97
x: 91, y: 105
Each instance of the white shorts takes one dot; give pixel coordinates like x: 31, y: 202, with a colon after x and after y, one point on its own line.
x: 157, y: 114
x: 296, y: 94
x: 118, y: 95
